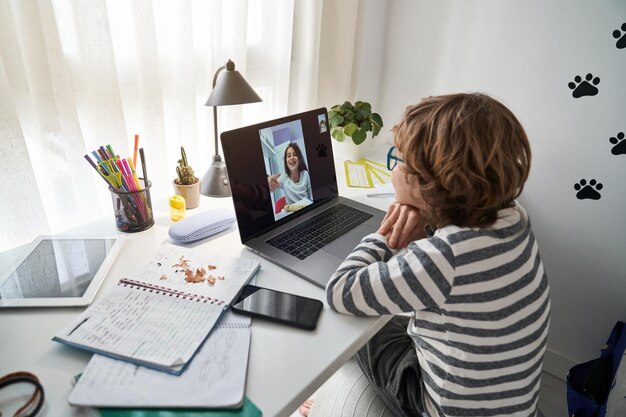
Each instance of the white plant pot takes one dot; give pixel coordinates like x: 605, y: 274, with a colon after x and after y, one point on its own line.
x: 346, y: 150
x: 191, y: 193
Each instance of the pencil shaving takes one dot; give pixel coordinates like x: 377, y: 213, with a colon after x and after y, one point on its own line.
x: 194, y: 277
x: 182, y: 262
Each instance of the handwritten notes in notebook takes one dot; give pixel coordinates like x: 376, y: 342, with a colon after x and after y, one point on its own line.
x: 160, y: 319
x: 215, y: 378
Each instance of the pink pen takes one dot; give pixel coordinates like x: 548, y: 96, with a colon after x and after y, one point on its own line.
x: 127, y: 173
x: 130, y: 185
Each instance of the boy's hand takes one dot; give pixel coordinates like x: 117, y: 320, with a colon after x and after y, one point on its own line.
x: 402, y: 225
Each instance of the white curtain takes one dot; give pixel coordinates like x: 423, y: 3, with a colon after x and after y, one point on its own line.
x: 77, y: 74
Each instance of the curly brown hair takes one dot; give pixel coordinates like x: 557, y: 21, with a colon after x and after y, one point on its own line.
x: 469, y: 154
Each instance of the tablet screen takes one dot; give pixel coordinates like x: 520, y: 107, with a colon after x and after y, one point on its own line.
x: 57, y: 269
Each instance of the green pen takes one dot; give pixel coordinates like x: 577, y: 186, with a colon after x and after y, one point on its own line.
x: 110, y: 148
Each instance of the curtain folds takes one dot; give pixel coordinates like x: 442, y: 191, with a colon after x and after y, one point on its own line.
x: 77, y: 74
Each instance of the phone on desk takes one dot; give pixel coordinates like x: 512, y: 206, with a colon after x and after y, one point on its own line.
x: 280, y: 307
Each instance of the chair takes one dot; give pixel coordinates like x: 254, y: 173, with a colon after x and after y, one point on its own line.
x: 280, y: 203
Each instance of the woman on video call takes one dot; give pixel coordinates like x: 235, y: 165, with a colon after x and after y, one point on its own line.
x: 296, y: 183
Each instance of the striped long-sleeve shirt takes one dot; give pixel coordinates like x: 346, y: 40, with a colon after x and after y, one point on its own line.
x: 481, y: 311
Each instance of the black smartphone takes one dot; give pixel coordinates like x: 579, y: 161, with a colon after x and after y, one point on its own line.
x: 280, y: 307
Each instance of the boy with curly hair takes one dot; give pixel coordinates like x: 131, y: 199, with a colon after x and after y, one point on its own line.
x: 456, y: 252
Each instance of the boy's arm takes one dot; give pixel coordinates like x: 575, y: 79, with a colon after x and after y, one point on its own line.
x: 402, y: 225
x: 373, y: 280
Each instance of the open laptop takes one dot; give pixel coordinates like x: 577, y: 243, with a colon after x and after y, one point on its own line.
x: 307, y: 230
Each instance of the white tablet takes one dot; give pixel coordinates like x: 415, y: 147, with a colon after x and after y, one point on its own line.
x: 58, y: 271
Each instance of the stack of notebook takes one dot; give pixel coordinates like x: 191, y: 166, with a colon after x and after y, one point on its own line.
x: 164, y: 339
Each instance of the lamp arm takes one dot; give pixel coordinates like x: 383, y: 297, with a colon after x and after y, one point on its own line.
x: 216, y: 157
x: 217, y: 73
x: 217, y: 153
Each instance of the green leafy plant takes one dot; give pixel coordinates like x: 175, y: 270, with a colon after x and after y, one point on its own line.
x: 354, y: 121
x: 184, y: 171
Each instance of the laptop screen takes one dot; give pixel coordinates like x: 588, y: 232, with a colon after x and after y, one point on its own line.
x: 279, y: 169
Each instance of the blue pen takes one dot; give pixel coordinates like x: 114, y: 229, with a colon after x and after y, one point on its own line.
x: 95, y: 155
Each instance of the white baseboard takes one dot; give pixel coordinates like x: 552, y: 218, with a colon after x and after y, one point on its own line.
x: 556, y: 364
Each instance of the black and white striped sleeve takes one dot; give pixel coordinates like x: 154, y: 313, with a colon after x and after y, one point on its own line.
x: 373, y: 280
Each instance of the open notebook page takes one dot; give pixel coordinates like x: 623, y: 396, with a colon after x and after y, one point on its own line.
x: 215, y: 377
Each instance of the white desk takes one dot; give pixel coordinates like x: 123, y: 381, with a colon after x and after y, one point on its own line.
x: 286, y: 365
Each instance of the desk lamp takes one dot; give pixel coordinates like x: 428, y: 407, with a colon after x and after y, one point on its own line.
x: 231, y: 88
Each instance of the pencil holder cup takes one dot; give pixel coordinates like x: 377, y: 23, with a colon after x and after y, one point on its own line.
x: 132, y: 209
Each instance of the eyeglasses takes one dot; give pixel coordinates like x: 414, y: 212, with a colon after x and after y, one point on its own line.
x: 392, y: 159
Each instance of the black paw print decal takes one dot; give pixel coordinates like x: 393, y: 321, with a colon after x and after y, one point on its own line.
x: 620, y: 144
x: 620, y: 35
x: 584, y: 87
x: 322, y: 150
x: 588, y: 191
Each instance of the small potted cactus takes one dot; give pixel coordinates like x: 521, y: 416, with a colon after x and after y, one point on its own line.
x: 187, y: 184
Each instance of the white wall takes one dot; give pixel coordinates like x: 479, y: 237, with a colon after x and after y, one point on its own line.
x: 524, y: 53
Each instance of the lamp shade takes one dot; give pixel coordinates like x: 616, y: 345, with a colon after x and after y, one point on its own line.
x: 231, y: 88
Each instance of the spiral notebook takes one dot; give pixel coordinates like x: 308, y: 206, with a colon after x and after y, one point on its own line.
x: 160, y: 319
x: 215, y: 378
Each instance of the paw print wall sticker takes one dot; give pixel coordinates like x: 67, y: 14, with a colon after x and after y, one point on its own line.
x: 584, y: 87
x: 620, y: 144
x: 620, y: 35
x: 588, y: 191
x: 322, y: 150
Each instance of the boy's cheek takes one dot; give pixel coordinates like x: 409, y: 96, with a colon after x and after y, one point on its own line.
x: 410, y: 196
x: 404, y: 190
x: 397, y: 187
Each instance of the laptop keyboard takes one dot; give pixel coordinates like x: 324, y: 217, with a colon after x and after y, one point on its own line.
x: 312, y: 235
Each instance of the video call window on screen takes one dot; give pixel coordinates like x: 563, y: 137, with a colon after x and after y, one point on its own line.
x: 287, y: 168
